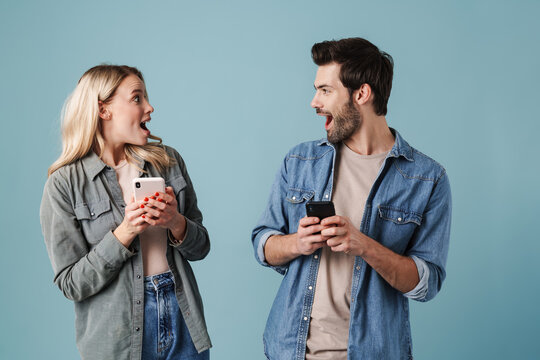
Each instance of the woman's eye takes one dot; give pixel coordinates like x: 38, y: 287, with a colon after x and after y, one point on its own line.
x: 137, y: 99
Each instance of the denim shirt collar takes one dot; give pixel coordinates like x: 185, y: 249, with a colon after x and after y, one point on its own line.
x: 94, y: 165
x: 400, y: 148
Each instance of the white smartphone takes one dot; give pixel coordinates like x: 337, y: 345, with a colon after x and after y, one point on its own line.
x: 148, y: 186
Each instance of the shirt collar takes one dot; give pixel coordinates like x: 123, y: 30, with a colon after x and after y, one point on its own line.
x: 94, y: 165
x: 400, y: 148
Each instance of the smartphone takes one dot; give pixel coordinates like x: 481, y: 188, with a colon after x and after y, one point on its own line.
x: 320, y: 209
x: 147, y: 186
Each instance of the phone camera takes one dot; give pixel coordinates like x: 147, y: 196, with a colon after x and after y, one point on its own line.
x: 138, y: 185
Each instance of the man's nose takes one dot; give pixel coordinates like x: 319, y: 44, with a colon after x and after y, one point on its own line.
x: 315, y: 103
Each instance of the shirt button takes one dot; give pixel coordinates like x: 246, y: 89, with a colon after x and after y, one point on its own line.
x: 92, y: 214
x: 138, y: 301
x: 305, y: 318
x: 138, y: 276
x: 316, y: 256
x: 137, y: 329
x: 311, y: 287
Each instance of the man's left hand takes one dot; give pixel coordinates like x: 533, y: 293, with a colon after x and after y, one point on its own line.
x: 344, y: 237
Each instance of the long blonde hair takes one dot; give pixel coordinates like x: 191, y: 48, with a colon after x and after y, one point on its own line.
x: 81, y: 126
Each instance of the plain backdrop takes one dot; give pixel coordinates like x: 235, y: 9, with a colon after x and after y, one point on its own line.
x: 231, y: 82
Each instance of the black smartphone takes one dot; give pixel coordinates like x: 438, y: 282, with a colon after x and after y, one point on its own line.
x: 320, y: 209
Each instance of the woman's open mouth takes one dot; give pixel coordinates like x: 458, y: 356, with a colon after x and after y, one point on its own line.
x: 145, y: 129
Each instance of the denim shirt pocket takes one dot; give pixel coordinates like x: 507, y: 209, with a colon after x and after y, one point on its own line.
x: 96, y: 219
x: 179, y: 185
x: 396, y: 226
x: 296, y: 200
x: 299, y: 196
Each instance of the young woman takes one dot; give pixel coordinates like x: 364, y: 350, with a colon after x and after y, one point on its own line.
x: 124, y: 263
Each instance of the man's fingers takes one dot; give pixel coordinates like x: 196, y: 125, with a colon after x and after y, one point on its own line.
x: 333, y: 231
x: 313, y: 229
x: 308, y: 221
x: 314, y: 239
x: 334, y: 220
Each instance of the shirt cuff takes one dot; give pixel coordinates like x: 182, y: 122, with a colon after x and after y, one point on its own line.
x: 421, y: 289
x: 112, y: 250
x: 173, y: 241
x: 262, y: 242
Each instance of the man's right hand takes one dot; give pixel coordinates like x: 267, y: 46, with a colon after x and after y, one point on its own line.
x: 280, y: 249
x: 309, y: 237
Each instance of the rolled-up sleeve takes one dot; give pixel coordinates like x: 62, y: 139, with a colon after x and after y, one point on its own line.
x: 431, y: 241
x: 273, y: 221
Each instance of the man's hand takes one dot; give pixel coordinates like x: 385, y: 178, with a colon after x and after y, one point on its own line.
x: 309, y: 237
x: 343, y: 236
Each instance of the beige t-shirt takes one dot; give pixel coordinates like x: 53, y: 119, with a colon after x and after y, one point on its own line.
x: 329, y: 326
x: 154, y: 239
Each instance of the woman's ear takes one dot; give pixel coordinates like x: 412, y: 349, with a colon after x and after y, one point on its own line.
x: 104, y: 112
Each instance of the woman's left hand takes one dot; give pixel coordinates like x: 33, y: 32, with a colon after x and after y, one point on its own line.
x: 162, y: 211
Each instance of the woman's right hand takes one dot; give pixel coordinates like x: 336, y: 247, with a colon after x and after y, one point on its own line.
x: 133, y: 223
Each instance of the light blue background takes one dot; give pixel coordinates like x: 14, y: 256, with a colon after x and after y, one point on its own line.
x: 231, y: 82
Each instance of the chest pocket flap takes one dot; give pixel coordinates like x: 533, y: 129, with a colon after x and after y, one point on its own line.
x: 297, y: 196
x: 178, y: 184
x: 399, y: 216
x: 92, y: 210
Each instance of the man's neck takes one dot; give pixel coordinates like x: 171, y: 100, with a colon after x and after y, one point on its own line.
x: 373, y: 137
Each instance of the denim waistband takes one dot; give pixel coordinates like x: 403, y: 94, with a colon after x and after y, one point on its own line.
x: 158, y: 281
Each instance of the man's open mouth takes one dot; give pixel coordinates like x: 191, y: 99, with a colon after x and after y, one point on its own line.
x: 329, y: 119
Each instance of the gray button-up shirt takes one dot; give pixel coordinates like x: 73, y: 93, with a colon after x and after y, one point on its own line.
x: 82, y: 204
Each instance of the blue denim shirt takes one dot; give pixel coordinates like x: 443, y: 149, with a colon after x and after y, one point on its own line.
x: 408, y: 210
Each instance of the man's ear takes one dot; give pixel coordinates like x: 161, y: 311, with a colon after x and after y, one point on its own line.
x: 363, y: 95
x: 104, y: 112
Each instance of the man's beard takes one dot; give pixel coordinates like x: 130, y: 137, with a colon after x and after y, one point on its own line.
x: 346, y: 121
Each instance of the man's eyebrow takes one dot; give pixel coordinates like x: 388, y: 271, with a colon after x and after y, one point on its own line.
x: 321, y: 86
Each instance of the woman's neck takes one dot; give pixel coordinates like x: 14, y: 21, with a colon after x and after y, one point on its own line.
x: 113, y: 154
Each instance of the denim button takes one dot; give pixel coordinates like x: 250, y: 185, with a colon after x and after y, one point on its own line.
x: 305, y: 318
x: 326, y: 196
x: 316, y: 256
x: 294, y: 197
x: 311, y: 287
x: 399, y: 219
x: 358, y: 268
x: 156, y: 281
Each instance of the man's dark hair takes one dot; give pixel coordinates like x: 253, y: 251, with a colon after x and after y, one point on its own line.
x: 361, y: 63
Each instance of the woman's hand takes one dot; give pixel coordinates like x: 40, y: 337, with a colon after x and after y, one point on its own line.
x: 133, y: 224
x: 162, y: 210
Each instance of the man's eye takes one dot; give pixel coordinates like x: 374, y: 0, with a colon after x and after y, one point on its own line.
x: 324, y: 91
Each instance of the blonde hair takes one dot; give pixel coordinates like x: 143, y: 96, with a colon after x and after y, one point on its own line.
x: 81, y: 126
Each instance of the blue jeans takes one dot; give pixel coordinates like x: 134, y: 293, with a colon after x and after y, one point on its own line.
x: 165, y: 333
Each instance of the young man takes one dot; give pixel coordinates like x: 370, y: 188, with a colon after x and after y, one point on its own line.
x: 348, y: 277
